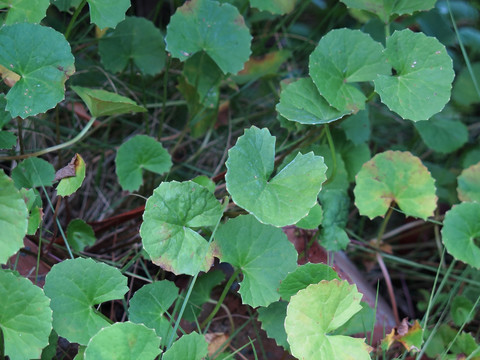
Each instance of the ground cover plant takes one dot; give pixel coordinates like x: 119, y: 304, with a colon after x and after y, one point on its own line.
x: 239, y: 179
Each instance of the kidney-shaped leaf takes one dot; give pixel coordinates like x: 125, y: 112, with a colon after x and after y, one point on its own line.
x: 80, y: 235
x: 13, y: 218
x: 42, y: 60
x: 137, y: 40
x: 461, y: 231
x: 280, y: 201
x: 123, y: 341
x: 342, y: 58
x: 469, y: 184
x: 424, y: 73
x: 33, y: 172
x: 74, y: 287
x: 138, y: 153
x: 192, y: 346
x: 318, y: 310
x: 395, y: 176
x: 167, y: 231
x: 107, y: 13
x: 263, y: 253
x: 218, y: 29
x: 25, y: 317
x: 24, y: 10
x: 301, y: 102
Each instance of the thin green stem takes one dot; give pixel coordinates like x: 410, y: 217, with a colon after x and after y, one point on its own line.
x: 222, y: 297
x: 331, y: 145
x: 383, y: 226
x: 74, y: 18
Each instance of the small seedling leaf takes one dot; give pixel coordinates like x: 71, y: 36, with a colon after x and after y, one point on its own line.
x: 123, y: 341
x: 424, y: 75
x: 206, y: 25
x: 80, y: 235
x: 74, y: 287
x: 68, y: 185
x: 167, y: 231
x: 395, y: 176
x: 192, y: 346
x: 25, y: 317
x: 33, y: 172
x: 262, y: 252
x: 469, y: 184
x: 461, y: 310
x: 282, y: 200
x: 24, y: 10
x: 107, y: 13
x: 279, y: 7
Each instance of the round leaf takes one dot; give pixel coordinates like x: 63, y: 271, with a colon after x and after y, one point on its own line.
x: 282, y: 200
x: 123, y: 341
x: 342, y: 58
x: 107, y: 13
x: 74, y: 287
x: 192, y: 347
x: 25, y: 10
x: 461, y: 233
x: 424, y: 75
x: 301, y: 102
x: 25, y: 317
x: 33, y: 172
x: 263, y: 253
x: 317, y: 311
x: 42, y: 59
x: 167, y: 235
x: 138, y: 153
x: 80, y: 235
x: 395, y: 176
x: 13, y: 218
x: 218, y: 29
x: 469, y: 184
x: 136, y: 40
x: 68, y: 185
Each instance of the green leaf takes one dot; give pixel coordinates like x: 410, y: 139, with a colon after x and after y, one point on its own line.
x: 339, y: 181
x: 135, y: 40
x: 66, y: 5
x: 442, y: 135
x: 34, y: 207
x: 218, y: 29
x: 13, y: 218
x: 5, y: 116
x: 33, y: 172
x: 341, y: 59
x: 395, y: 176
x: 279, y: 7
x: 282, y: 200
x: 461, y: 310
x: 461, y: 233
x: 332, y: 234
x: 149, y: 304
x: 317, y: 311
x: 74, y: 287
x: 205, y: 182
x: 313, y: 219
x: 123, y: 341
x: 354, y: 156
x: 424, y: 75
x: 24, y: 10
x: 359, y: 323
x: 300, y: 101
x: 68, y: 185
x: 464, y: 92
x: 80, y: 235
x: 469, y: 184
x: 357, y: 127
x: 43, y: 61
x: 107, y: 13
x: 138, y: 153
x: 303, y: 276
x: 192, y: 346
x: 262, y: 252
x: 103, y: 103
x: 167, y: 231
x: 273, y: 319
x: 7, y: 140
x: 257, y: 67
x: 25, y: 317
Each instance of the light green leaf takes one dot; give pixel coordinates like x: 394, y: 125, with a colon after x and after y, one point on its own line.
x: 68, y: 185
x: 464, y: 92
x: 31, y: 11
x: 300, y: 101
x: 107, y: 13
x: 313, y: 219
x: 25, y: 317
x: 135, y: 40
x: 167, y: 231
x: 395, y: 176
x: 341, y: 59
x: 103, y: 103
x: 281, y: 200
x: 74, y: 287
x: 318, y: 310
x: 205, y: 182
x: 279, y: 7
x: 34, y: 206
x: 206, y: 25
x: 442, y: 135
x: 461, y: 310
x: 13, y: 219
x: 192, y: 346
x: 138, y: 153
x: 461, y: 231
x: 41, y: 60
x: 469, y: 184
x: 262, y: 252
x: 273, y: 319
x: 80, y: 235
x: 33, y: 172
x: 123, y: 341
x: 424, y: 75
